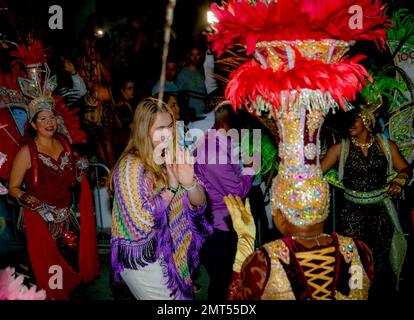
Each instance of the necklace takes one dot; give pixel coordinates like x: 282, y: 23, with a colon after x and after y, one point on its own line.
x: 363, y: 145
x: 312, y: 238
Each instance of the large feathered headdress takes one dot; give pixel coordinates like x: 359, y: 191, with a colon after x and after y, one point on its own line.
x: 40, y: 85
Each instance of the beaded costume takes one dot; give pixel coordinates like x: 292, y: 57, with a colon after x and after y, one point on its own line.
x: 144, y: 230
x: 285, y: 270
x: 369, y: 214
x: 61, y: 242
x: 55, y: 240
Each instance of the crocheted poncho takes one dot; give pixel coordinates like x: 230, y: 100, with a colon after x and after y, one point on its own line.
x: 145, y: 230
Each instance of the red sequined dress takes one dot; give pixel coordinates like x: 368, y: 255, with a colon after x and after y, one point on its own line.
x: 60, y: 261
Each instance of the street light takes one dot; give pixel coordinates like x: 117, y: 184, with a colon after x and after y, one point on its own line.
x: 99, y: 33
x: 211, y: 18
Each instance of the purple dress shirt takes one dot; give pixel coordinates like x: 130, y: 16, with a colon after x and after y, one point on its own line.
x: 221, y: 172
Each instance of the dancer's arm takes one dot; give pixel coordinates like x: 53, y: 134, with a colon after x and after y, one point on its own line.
x: 21, y: 164
x: 331, y: 157
x: 403, y: 169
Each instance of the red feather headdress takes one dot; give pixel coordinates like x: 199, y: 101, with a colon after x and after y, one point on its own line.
x: 70, y: 123
x: 32, y: 54
x: 342, y: 80
x: 240, y: 22
x: 300, y: 45
x: 299, y: 75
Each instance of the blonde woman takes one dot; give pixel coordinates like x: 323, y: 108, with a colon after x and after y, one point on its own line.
x: 158, y: 222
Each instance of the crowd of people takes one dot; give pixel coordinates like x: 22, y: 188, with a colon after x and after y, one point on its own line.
x: 186, y: 188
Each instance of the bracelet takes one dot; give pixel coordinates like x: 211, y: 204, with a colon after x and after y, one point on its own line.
x: 172, y: 189
x: 190, y: 188
x: 401, y: 179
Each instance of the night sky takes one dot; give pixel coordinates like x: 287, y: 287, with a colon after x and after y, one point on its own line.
x: 30, y: 16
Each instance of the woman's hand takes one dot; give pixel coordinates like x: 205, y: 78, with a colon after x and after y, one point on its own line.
x: 171, y: 169
x: 185, y: 168
x: 68, y: 66
x: 394, y: 190
x: 397, y: 185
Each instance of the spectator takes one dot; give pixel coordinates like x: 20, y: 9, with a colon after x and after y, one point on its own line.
x: 170, y: 78
x: 220, y: 178
x: 158, y: 224
x: 95, y: 69
x: 190, y: 80
x: 123, y: 115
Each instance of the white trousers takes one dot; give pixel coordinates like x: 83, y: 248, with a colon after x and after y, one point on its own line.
x: 147, y: 283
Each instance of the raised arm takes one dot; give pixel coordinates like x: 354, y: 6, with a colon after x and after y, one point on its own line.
x: 249, y: 267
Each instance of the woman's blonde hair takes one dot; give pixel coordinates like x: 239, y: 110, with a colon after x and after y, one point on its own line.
x: 140, y: 141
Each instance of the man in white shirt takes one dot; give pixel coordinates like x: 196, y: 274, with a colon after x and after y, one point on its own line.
x: 214, y: 96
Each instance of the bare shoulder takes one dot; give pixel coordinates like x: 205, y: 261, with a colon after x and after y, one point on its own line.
x: 335, y: 150
x: 337, y: 147
x: 23, y: 151
x: 393, y: 145
x: 395, y: 150
x: 23, y: 156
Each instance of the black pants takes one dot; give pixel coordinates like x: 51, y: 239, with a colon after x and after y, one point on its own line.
x: 218, y: 256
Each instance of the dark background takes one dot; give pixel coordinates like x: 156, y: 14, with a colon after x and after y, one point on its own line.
x: 29, y: 16
x: 24, y: 17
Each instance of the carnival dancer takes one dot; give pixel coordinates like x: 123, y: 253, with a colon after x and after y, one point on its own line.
x: 298, y: 75
x: 158, y: 222
x: 57, y: 245
x: 366, y: 165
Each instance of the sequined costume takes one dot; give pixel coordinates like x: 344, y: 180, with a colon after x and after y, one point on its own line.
x: 369, y: 214
x: 59, y: 246
x: 297, y: 74
x: 144, y: 231
x: 285, y: 270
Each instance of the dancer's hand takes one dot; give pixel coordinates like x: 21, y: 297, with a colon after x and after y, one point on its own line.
x: 394, y: 190
x: 82, y: 166
x: 397, y: 184
x: 68, y: 66
x: 241, y: 216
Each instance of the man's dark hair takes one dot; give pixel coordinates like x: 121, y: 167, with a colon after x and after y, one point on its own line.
x: 224, y: 113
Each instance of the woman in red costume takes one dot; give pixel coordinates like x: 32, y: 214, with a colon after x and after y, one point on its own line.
x: 60, y: 261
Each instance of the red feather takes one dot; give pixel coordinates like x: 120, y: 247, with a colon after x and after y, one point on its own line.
x: 343, y: 80
x: 71, y: 121
x: 31, y: 54
x: 243, y: 23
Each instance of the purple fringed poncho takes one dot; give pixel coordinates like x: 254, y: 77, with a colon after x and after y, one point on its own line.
x: 144, y: 230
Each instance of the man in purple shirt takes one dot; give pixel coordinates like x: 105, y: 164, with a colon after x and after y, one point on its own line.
x: 219, y: 167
